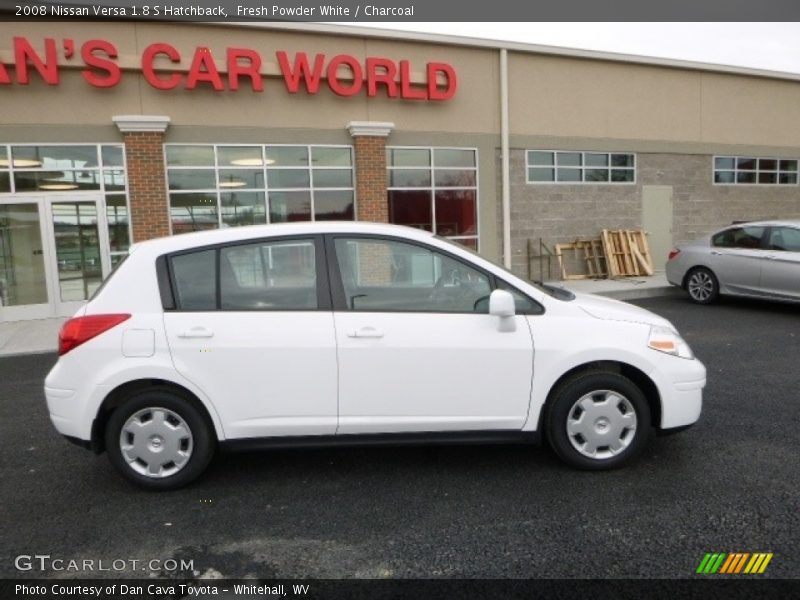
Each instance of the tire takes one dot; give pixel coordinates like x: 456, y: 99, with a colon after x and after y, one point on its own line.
x: 619, y: 424
x: 158, y: 440
x: 702, y: 285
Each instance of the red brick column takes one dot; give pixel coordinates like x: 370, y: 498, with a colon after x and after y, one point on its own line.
x: 144, y: 154
x: 370, y: 168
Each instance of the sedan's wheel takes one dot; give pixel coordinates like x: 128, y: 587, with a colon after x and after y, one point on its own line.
x: 702, y: 286
x: 598, y: 420
x: 159, y: 440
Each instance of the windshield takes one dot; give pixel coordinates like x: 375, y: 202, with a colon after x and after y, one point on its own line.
x: 554, y: 291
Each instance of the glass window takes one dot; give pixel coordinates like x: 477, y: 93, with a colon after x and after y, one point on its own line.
x: 269, y: 276
x: 22, y: 275
x: 333, y: 205
x: 409, y: 157
x: 785, y: 238
x: 739, y: 237
x: 5, y: 182
x: 412, y: 208
x: 435, y: 189
x: 289, y: 206
x: 190, y: 156
x: 193, y: 212
x: 383, y: 275
x: 55, y: 157
x: 196, y: 280
x: 287, y: 156
x: 258, y: 184
x: 242, y: 208
x: 579, y: 167
x: 331, y: 157
x: 751, y: 170
x: 240, y: 156
x: 112, y: 156
x: 522, y: 304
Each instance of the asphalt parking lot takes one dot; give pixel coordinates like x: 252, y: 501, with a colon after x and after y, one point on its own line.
x: 730, y: 484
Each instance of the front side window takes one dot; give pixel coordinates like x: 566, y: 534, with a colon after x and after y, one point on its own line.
x: 435, y: 189
x: 730, y: 170
x: 739, y: 237
x: 549, y: 166
x: 785, y: 239
x: 213, y: 186
x: 383, y: 275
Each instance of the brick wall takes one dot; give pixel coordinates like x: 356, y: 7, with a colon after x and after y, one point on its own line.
x: 146, y: 184
x: 371, y: 179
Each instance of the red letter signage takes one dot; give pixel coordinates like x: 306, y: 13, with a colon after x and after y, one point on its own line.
x: 149, y: 72
x: 109, y: 72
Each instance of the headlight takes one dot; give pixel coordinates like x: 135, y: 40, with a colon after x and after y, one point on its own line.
x: 667, y: 340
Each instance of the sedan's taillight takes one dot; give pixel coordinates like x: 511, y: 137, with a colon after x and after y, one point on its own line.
x: 81, y: 329
x: 673, y: 254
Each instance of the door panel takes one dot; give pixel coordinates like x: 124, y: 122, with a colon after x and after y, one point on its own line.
x: 268, y: 367
x: 407, y: 372
x: 780, y: 275
x: 414, y: 355
x: 737, y: 256
x: 657, y: 221
x: 267, y: 374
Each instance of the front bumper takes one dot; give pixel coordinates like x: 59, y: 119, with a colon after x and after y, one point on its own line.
x: 680, y: 383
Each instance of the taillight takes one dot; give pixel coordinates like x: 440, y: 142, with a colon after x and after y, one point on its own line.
x: 81, y: 329
x: 673, y: 254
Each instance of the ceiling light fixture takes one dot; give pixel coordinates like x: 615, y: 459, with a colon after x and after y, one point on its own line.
x: 58, y: 186
x: 20, y: 163
x: 252, y: 162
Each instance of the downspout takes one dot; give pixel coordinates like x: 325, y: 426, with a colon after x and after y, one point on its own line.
x: 506, y: 199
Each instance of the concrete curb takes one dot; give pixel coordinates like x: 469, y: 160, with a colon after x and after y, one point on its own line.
x: 640, y: 294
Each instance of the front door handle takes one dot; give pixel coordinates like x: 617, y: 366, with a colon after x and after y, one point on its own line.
x: 196, y: 332
x: 716, y: 253
x: 771, y: 257
x: 365, y: 332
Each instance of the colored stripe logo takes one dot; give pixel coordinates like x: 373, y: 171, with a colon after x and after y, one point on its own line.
x: 734, y: 563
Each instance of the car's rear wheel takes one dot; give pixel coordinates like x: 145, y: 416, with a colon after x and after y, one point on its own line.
x: 598, y: 420
x: 702, y: 285
x: 159, y: 440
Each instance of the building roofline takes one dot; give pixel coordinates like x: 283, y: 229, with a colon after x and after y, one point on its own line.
x: 470, y: 42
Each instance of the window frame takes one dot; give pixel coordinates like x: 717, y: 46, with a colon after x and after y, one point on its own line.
x: 100, y: 169
x: 757, y: 171
x: 339, y: 298
x: 265, y: 189
x: 431, y: 168
x: 582, y: 168
x: 168, y: 288
x: 762, y: 240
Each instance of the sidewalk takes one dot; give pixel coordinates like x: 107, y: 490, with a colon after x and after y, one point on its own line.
x: 31, y: 337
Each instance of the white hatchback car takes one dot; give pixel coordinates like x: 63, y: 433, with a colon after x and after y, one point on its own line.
x: 352, y: 333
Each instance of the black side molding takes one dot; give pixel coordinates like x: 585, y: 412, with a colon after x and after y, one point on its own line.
x: 383, y: 439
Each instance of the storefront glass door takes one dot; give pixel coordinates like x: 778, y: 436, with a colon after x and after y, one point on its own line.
x: 79, y: 246
x: 53, y: 254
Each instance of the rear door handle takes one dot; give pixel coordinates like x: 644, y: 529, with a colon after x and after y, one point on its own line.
x: 365, y: 332
x: 716, y: 253
x: 771, y: 257
x: 196, y: 332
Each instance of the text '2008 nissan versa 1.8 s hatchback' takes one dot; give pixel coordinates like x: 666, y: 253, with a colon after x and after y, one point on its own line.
x: 350, y: 333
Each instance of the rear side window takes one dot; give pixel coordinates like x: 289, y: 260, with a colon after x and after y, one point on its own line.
x: 195, y: 277
x: 269, y: 276
x: 739, y: 237
x: 277, y: 275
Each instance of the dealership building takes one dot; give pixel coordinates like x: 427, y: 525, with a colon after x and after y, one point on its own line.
x: 114, y: 133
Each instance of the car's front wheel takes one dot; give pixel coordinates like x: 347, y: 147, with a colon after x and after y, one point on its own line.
x: 598, y: 420
x: 702, y: 285
x: 159, y: 440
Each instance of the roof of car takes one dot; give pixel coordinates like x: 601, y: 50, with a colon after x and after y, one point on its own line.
x: 186, y: 241
x: 772, y: 223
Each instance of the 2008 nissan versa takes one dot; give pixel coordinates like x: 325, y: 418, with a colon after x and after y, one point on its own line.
x: 343, y: 333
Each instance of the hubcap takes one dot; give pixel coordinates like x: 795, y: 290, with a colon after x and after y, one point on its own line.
x: 601, y: 424
x: 700, y: 286
x: 156, y: 442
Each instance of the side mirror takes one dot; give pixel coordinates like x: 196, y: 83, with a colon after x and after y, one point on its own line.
x: 501, y: 304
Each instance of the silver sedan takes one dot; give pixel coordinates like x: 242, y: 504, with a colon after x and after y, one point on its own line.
x: 757, y: 260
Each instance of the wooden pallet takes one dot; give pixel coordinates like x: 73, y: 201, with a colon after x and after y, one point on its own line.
x: 627, y: 252
x: 588, y: 253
